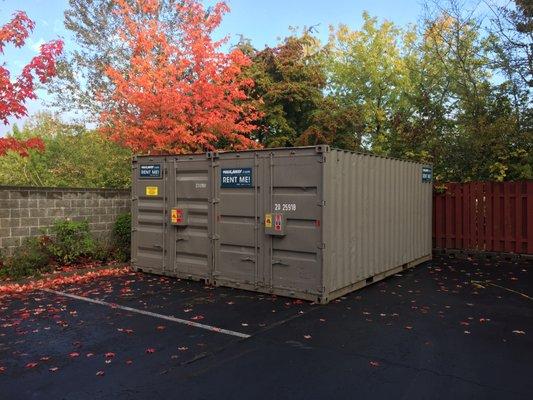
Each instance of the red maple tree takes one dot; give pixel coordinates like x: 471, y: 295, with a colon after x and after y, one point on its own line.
x: 15, y: 92
x: 180, y: 93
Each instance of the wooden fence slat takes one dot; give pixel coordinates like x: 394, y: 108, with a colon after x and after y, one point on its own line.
x: 518, y: 218
x: 529, y: 217
x: 489, y: 200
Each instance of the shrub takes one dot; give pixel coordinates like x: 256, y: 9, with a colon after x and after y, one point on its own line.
x: 122, y: 236
x: 102, y: 251
x: 29, y: 259
x: 71, y: 241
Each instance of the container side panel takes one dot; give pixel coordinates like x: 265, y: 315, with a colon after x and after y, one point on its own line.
x: 148, y: 213
x: 236, y: 218
x: 192, y: 245
x: 295, y: 193
x: 378, y: 217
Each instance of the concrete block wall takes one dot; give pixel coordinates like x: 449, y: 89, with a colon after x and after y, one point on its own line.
x: 30, y: 211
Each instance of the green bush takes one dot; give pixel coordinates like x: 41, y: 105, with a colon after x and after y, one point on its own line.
x: 102, y: 251
x: 122, y: 236
x: 71, y: 241
x: 29, y: 259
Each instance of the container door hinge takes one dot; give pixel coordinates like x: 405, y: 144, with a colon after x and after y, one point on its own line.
x: 322, y: 203
x: 321, y: 245
x: 134, y: 198
x: 214, y: 237
x: 215, y: 201
x: 134, y: 229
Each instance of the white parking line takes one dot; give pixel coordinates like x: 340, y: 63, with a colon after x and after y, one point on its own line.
x: 151, y: 314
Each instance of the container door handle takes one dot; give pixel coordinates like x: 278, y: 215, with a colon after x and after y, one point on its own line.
x: 157, y: 246
x: 181, y: 237
x: 279, y: 262
x: 248, y: 259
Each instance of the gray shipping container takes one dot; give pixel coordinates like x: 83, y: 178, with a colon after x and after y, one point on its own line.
x: 310, y: 222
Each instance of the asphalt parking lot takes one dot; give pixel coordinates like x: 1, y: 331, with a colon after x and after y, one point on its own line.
x: 446, y: 329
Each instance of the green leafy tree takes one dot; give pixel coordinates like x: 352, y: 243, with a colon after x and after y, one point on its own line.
x: 289, y: 84
x: 367, y: 71
x: 73, y: 157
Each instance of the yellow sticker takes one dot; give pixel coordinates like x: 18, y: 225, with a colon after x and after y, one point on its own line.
x: 152, y: 190
x: 268, y: 220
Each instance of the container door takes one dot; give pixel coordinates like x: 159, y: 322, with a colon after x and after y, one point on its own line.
x: 237, y: 181
x: 189, y: 217
x: 292, y: 220
x: 148, y: 214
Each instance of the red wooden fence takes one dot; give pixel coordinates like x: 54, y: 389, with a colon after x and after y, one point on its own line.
x: 485, y: 216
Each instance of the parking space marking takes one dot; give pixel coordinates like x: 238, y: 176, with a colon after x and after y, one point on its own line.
x: 151, y: 314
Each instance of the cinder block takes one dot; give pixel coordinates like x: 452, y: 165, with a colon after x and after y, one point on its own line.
x: 99, y: 211
x: 9, y: 222
x: 35, y: 231
x: 4, y: 194
x: 29, y: 221
x: 5, y: 232
x: 37, y: 195
x: 55, y: 212
x: 46, y: 203
x: 91, y: 203
x: 51, y: 195
x: 23, y: 231
x: 78, y: 203
x: 62, y: 203
x: 20, y: 213
x: 5, y: 213
x: 45, y: 222
x: 38, y: 212
x: 105, y: 203
x: 30, y: 203
x: 18, y: 194
x: 9, y: 204
x: 97, y: 227
x: 106, y: 218
x: 70, y: 195
x: 85, y: 211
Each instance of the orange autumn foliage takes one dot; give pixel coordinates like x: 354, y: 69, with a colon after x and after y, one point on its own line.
x: 180, y: 93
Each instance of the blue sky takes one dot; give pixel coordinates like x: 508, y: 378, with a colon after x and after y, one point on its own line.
x: 264, y: 22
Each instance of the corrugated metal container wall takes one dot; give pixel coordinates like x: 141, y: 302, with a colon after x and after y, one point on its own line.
x: 308, y: 222
x: 159, y: 185
x: 377, y: 219
x: 148, y: 216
